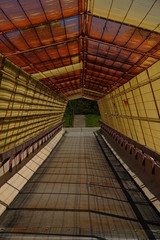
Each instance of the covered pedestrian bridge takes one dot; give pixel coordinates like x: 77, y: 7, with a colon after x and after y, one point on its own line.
x: 79, y: 184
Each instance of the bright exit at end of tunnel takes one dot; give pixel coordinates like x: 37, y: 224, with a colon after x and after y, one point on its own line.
x: 81, y: 113
x: 79, y: 119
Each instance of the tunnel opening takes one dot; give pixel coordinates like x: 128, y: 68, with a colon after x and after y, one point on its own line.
x: 84, y: 107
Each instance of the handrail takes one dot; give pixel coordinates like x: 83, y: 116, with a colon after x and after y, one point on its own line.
x: 13, y: 152
x: 123, y: 139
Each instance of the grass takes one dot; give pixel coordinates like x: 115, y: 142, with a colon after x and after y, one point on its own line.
x: 92, y: 120
x: 68, y: 121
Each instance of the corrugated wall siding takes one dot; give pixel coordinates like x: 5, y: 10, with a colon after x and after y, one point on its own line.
x: 27, y: 107
x: 134, y: 108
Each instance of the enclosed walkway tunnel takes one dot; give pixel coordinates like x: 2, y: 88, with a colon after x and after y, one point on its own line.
x: 53, y: 51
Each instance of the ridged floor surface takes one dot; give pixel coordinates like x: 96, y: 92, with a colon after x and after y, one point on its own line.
x: 78, y: 194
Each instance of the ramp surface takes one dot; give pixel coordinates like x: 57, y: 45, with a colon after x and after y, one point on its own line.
x: 79, y: 194
x: 79, y: 121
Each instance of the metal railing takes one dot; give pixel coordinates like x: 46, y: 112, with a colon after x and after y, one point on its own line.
x: 26, y: 148
x: 131, y: 146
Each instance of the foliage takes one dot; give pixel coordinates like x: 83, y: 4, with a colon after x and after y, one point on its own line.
x: 68, y: 121
x: 92, y: 120
x: 82, y: 106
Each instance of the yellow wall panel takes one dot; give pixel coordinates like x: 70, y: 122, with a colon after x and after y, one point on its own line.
x: 156, y: 85
x: 154, y: 70
x: 133, y: 82
x: 27, y: 107
x: 142, y: 77
x: 138, y: 108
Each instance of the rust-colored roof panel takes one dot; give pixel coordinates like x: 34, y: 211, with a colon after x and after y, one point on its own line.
x: 20, y: 61
x: 24, y: 13
x: 45, y: 36
x: 63, y: 78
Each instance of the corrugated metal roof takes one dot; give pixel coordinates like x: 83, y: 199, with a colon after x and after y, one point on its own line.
x: 112, y: 40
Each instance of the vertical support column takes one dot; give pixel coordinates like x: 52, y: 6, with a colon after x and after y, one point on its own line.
x: 138, y: 116
x: 146, y: 115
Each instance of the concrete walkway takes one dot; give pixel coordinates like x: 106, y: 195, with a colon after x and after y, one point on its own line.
x: 77, y: 194
x: 79, y: 121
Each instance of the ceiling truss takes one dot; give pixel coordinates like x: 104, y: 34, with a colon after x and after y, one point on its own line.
x: 109, y: 43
